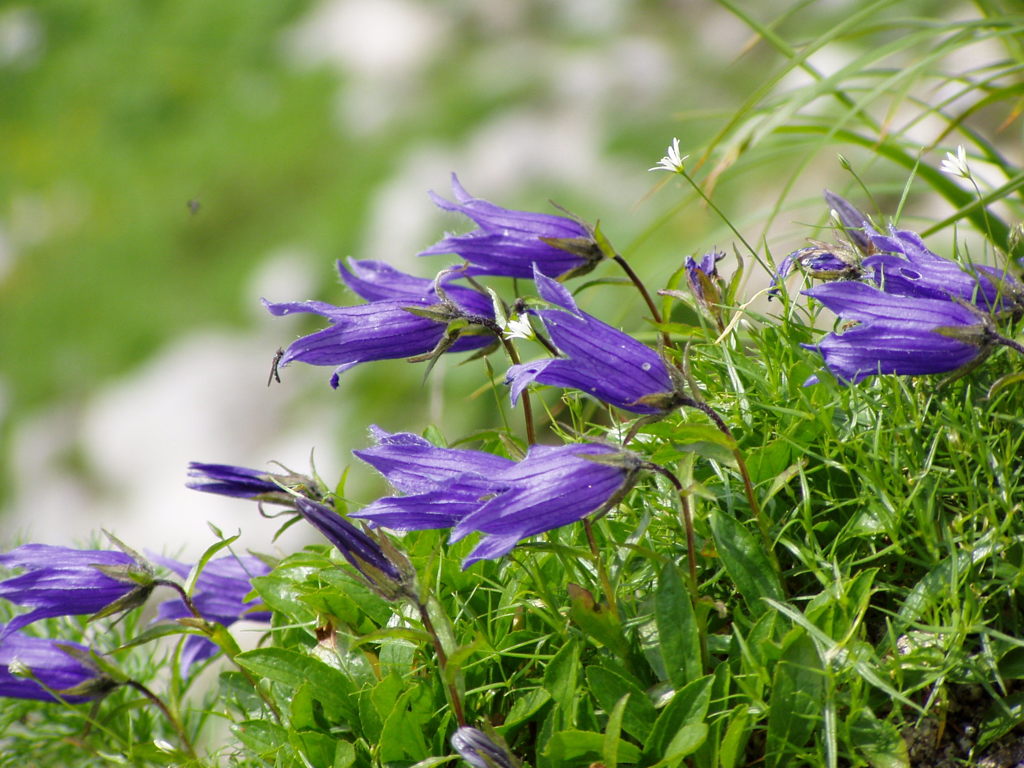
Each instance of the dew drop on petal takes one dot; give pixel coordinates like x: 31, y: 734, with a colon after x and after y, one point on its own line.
x: 645, y: 367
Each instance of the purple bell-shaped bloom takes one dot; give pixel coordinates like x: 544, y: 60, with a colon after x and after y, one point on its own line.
x: 553, y: 486
x: 219, y: 596
x: 513, y: 243
x: 244, y: 483
x: 31, y: 667
x: 440, y: 485
x: 896, y: 334
x: 600, y: 360
x: 477, y: 749
x: 703, y: 278
x: 363, y: 552
x: 904, y: 266
x: 406, y: 317
x: 60, y: 581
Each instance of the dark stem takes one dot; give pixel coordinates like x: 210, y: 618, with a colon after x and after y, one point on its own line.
x: 1008, y: 343
x: 175, y: 723
x: 602, y: 572
x: 182, y: 594
x: 748, y: 486
x: 691, y: 539
x: 442, y: 662
x: 635, y: 279
x: 531, y: 437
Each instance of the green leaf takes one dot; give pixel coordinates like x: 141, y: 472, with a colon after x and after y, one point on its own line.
x: 794, y: 710
x: 570, y: 746
x: 745, y: 561
x: 596, y: 620
x: 403, y: 733
x: 525, y: 706
x: 560, y: 679
x: 879, y: 741
x: 687, y: 740
x: 610, y: 687
x: 193, y: 576
x: 263, y: 737
x: 688, y: 707
x: 678, y: 634
x: 1003, y: 716
x: 734, y: 742
x: 612, y: 733
x: 292, y: 669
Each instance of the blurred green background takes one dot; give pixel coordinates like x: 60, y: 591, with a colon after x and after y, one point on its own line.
x: 165, y: 164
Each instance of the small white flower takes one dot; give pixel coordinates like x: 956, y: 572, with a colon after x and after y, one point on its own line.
x: 671, y: 162
x: 518, y: 328
x: 956, y: 165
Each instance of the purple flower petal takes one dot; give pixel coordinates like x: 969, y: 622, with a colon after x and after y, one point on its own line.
x: 60, y: 581
x: 414, y: 465
x: 600, y: 360
x: 508, y: 242
x: 54, y: 668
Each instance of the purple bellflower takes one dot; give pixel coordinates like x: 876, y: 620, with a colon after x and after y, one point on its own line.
x: 59, y: 581
x: 440, y: 485
x: 855, y: 224
x: 512, y: 243
x: 600, y: 360
x: 379, y: 563
x: 703, y: 278
x: 904, y: 266
x: 31, y: 667
x: 477, y: 749
x: 406, y: 317
x: 553, y: 486
x: 245, y: 483
x: 219, y: 596
x: 897, y: 334
x: 831, y: 262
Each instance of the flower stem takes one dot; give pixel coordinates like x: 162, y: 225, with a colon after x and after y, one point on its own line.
x: 1008, y: 343
x: 602, y: 572
x: 181, y: 593
x: 175, y: 723
x: 442, y: 662
x: 531, y: 437
x: 635, y: 279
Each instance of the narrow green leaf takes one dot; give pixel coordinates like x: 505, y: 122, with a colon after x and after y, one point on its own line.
x: 794, y: 710
x: 560, y: 679
x: 211, y: 550
x: 745, y: 561
x: 678, y: 634
x: 613, y: 732
x: 734, y: 742
x: 688, y: 707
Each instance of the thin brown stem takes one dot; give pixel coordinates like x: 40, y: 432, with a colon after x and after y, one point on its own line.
x: 181, y: 593
x: 531, y: 437
x: 175, y: 723
x: 442, y: 662
x: 635, y: 279
x: 691, y: 538
x: 602, y: 572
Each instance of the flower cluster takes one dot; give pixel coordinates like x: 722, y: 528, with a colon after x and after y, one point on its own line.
x: 476, y: 492
x: 61, y: 581
x: 914, y: 312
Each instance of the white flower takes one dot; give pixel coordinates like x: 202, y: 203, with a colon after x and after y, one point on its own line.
x: 956, y: 165
x: 518, y: 328
x: 671, y: 162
